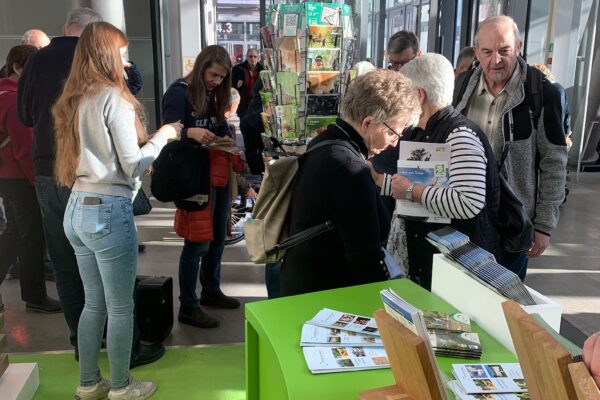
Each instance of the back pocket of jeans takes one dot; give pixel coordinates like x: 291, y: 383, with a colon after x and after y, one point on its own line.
x: 95, y: 220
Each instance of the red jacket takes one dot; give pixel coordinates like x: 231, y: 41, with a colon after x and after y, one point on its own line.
x: 196, y: 226
x: 15, y: 158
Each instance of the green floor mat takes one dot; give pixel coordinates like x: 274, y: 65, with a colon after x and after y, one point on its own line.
x: 215, y: 373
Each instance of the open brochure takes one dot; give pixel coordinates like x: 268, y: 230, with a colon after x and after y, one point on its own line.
x: 490, y: 378
x: 317, y: 336
x: 425, y: 164
x: 337, y: 359
x: 328, y: 318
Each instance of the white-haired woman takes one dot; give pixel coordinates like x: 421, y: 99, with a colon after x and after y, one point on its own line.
x: 470, y: 201
x: 334, y: 183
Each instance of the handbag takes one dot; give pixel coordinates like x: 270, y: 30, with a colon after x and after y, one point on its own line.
x: 141, y: 203
x: 515, y: 229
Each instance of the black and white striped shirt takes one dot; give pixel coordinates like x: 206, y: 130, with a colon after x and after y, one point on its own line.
x: 464, y: 197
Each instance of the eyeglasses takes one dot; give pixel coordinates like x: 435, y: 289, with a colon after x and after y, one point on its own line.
x: 393, y: 132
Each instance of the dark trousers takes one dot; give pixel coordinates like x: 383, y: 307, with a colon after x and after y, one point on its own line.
x: 515, y: 262
x: 23, y: 239
x: 53, y: 202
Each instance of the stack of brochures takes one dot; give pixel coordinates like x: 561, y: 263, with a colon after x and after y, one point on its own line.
x: 480, y: 264
x: 448, y: 335
x: 488, y: 381
x: 335, y: 341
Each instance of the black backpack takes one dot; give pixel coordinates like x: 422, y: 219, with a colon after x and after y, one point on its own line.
x: 182, y: 175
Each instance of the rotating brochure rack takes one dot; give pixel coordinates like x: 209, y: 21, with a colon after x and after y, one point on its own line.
x: 309, y: 53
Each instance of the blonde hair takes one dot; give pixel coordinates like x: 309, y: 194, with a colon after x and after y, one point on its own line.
x: 544, y: 70
x: 97, y: 65
x: 381, y: 94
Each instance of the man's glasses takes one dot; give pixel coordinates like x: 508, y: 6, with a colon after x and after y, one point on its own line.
x: 392, y: 132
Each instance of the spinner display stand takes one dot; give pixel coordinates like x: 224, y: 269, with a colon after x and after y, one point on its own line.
x: 309, y: 53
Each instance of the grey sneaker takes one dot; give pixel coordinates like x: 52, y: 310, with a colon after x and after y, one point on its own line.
x: 97, y: 392
x: 136, y: 390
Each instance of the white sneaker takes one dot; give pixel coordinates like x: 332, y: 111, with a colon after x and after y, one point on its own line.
x: 97, y: 392
x: 136, y: 390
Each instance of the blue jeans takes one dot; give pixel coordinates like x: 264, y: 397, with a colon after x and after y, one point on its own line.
x: 210, y: 253
x: 53, y: 199
x: 273, y: 279
x: 105, y: 242
x: 515, y: 262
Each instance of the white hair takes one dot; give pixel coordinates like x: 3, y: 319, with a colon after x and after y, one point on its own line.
x: 499, y: 20
x: 32, y: 37
x: 362, y: 67
x: 434, y: 74
x: 81, y: 17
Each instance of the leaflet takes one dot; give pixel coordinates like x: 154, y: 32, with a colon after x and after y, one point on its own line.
x: 490, y: 378
x: 350, y: 322
x: 317, y: 336
x: 338, y: 359
x: 460, y: 394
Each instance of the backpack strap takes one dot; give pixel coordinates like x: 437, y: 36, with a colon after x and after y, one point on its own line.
x: 460, y: 86
x: 535, y: 88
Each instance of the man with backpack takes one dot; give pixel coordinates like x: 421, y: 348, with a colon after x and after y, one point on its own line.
x: 520, y: 112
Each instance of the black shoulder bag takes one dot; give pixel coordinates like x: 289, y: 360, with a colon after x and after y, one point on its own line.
x: 515, y: 229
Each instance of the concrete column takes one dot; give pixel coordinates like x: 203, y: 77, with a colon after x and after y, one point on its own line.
x: 111, y: 11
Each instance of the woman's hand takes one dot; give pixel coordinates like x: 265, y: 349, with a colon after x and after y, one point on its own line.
x: 399, y: 186
x: 173, y: 130
x: 201, y: 135
x: 251, y: 194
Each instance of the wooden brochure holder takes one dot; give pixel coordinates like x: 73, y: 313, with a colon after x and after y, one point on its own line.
x: 547, y: 366
x: 411, y: 364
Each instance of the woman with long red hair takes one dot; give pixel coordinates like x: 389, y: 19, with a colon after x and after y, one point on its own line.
x: 102, y: 149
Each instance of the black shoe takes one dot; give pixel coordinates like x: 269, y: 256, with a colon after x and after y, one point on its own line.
x: 196, y: 317
x: 141, y: 248
x: 218, y: 299
x: 146, y: 354
x: 47, y: 306
x: 1, y: 307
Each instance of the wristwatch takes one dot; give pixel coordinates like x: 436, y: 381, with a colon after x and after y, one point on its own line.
x: 408, y: 195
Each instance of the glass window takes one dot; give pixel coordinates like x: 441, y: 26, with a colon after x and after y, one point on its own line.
x: 487, y: 8
x: 253, y: 31
x: 423, y: 26
x: 230, y: 31
x: 538, y: 32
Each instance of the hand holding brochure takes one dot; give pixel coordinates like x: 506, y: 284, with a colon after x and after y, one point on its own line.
x: 424, y: 164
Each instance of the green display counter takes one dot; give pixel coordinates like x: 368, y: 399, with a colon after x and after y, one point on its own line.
x: 275, y: 366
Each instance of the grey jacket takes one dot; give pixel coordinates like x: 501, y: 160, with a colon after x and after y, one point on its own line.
x: 537, y: 158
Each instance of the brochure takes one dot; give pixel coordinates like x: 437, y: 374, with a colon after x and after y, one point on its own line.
x: 318, y: 124
x: 455, y: 344
x: 490, y: 378
x: 322, y: 104
x: 290, y: 17
x: 321, y: 82
x: 337, y: 359
x: 322, y: 13
x: 287, y: 88
x: 313, y: 335
x: 324, y: 37
x: 480, y: 264
x: 460, y: 394
x: 288, y: 54
x: 435, y: 320
x: 328, y: 318
x: 322, y: 59
x: 425, y: 164
x: 266, y: 121
x: 287, y: 122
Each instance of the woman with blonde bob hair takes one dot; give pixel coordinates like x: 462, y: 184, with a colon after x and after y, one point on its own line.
x: 334, y: 183
x: 102, y: 149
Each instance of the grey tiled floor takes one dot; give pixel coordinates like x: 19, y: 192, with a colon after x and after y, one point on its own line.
x: 569, y: 273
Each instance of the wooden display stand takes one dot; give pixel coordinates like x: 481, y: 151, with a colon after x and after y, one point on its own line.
x: 3, y: 357
x: 547, y: 366
x: 411, y: 364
